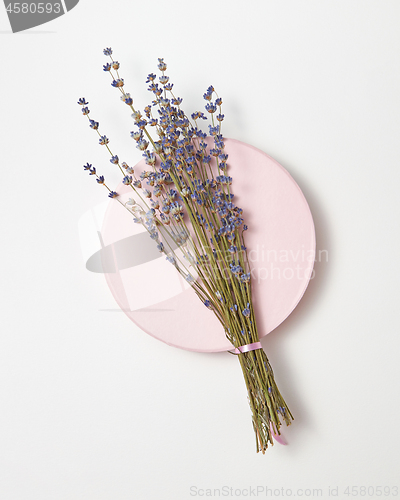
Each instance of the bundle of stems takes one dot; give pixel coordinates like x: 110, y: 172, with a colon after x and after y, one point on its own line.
x: 184, y: 201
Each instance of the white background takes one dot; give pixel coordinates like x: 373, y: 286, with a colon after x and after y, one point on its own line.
x: 94, y: 409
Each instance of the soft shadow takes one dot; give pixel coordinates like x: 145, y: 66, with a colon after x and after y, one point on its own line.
x: 26, y: 32
x: 272, y: 343
x: 136, y: 311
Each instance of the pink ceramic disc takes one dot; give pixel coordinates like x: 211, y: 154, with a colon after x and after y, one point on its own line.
x: 281, y: 250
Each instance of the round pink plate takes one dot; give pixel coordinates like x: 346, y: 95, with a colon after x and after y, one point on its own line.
x: 281, y: 250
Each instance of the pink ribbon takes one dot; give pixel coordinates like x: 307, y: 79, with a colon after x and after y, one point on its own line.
x: 278, y: 437
x: 248, y: 347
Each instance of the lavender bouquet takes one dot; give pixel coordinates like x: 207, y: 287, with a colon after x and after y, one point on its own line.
x: 184, y: 201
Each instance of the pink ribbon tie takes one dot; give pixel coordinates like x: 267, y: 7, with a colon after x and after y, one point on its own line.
x: 248, y: 347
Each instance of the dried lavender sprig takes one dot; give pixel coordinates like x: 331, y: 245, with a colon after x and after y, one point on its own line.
x: 234, y: 296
